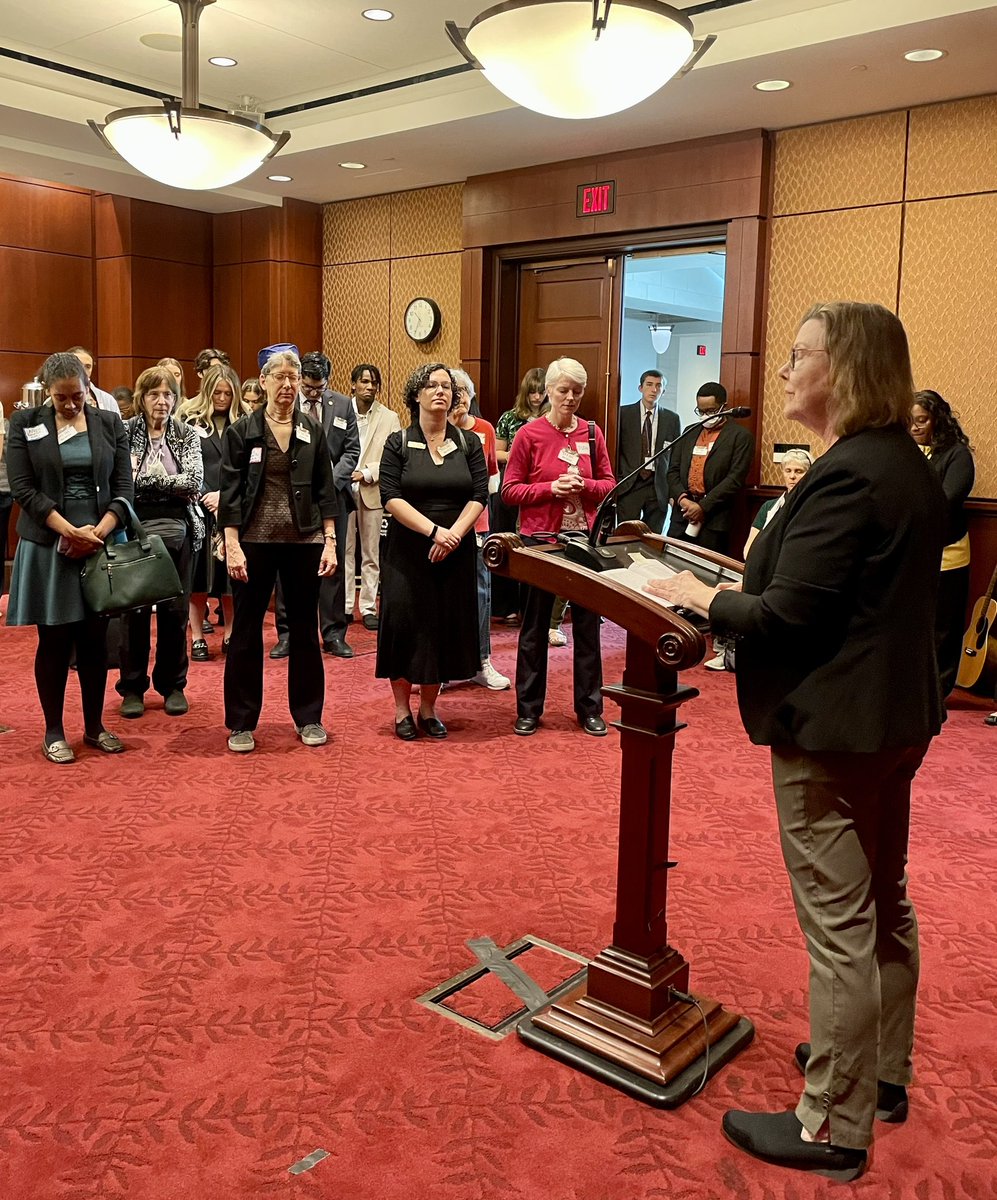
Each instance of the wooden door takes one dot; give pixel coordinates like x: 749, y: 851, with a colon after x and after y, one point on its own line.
x: 573, y: 309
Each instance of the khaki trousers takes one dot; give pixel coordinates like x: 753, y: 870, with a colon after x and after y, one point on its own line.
x: 844, y: 821
x: 363, y: 534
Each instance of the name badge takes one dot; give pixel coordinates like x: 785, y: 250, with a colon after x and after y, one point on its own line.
x: 339, y: 422
x: 35, y: 433
x: 702, y: 451
x: 583, y: 447
x: 569, y: 456
x: 256, y: 454
x: 417, y: 445
x: 448, y: 447
x: 303, y: 434
x: 481, y: 438
x: 65, y: 434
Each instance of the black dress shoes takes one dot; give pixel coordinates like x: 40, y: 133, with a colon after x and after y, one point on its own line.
x: 282, y: 649
x: 775, y: 1138
x: 337, y: 647
x: 370, y: 621
x: 432, y: 727
x: 199, y: 651
x: 526, y: 725
x: 891, y: 1098
x: 596, y: 726
x: 405, y: 729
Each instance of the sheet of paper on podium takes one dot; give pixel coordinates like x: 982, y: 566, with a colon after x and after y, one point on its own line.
x: 642, y: 570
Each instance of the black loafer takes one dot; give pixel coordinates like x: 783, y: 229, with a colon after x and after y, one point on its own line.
x: 199, y: 651
x: 282, y: 649
x: 526, y: 725
x: 991, y: 720
x: 891, y: 1098
x: 596, y: 726
x: 370, y: 621
x: 405, y: 729
x: 338, y: 648
x: 775, y: 1138
x: 432, y: 727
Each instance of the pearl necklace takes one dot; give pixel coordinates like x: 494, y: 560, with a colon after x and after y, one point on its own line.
x: 567, y: 432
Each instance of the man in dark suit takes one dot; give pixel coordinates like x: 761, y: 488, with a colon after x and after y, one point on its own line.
x: 335, y: 413
x: 706, y: 474
x: 644, y: 428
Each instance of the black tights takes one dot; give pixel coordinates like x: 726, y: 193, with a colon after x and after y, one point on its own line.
x: 52, y: 658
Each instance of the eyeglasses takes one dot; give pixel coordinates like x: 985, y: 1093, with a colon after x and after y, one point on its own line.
x: 706, y: 412
x: 295, y: 379
x: 432, y: 387
x: 313, y: 389
x: 797, y: 351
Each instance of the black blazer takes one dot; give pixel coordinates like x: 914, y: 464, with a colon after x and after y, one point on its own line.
x: 953, y: 464
x: 211, y: 455
x: 244, y: 457
x: 34, y: 466
x: 837, y: 614
x: 726, y: 470
x: 339, y: 423
x: 631, y: 454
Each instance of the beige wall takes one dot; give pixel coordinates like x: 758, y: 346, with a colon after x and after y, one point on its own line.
x: 899, y: 208
x: 378, y: 254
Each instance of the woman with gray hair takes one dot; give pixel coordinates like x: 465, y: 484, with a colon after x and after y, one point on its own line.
x: 795, y: 464
x: 277, y: 509
x: 558, y: 473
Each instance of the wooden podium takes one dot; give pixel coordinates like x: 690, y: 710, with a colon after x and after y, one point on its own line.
x: 624, y: 1023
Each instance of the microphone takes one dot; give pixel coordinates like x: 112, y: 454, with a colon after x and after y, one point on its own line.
x: 589, y: 553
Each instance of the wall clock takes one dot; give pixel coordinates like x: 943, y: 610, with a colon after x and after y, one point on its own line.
x: 422, y: 319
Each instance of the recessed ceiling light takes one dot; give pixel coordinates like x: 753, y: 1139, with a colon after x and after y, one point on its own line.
x: 352, y: 166
x: 924, y: 55
x: 281, y: 178
x: 221, y: 61
x: 772, y: 85
x: 378, y: 14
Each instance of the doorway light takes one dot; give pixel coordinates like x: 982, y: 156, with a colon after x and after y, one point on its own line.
x: 182, y: 144
x: 609, y: 54
x: 661, y: 337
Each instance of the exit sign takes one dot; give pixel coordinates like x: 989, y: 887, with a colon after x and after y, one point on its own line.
x: 595, y: 199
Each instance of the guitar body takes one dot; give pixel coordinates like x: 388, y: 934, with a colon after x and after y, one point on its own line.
x: 978, y: 664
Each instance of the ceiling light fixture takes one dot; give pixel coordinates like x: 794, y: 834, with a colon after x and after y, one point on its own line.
x: 610, y: 54
x: 661, y: 337
x: 354, y: 166
x: 772, y: 85
x: 924, y: 55
x: 378, y: 14
x: 182, y: 144
x: 221, y: 61
x: 281, y: 178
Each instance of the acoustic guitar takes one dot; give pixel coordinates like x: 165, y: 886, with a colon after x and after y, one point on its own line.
x: 978, y: 664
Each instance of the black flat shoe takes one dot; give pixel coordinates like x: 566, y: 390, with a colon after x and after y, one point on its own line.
x: 596, y: 726
x: 432, y: 727
x: 405, y: 729
x: 105, y: 741
x: 526, y: 725
x: 891, y: 1098
x: 775, y: 1138
x: 991, y: 720
x: 199, y: 651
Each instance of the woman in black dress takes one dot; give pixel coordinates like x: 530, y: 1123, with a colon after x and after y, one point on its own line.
x: 434, y: 486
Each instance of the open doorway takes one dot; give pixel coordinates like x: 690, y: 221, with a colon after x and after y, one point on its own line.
x: 681, y: 293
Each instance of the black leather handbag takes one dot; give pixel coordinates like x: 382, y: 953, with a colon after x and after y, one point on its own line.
x: 132, y: 574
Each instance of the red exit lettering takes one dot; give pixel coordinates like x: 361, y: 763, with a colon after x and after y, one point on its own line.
x: 701, y: 351
x: 596, y: 199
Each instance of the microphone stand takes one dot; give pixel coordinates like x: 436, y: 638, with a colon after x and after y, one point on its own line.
x: 590, y: 552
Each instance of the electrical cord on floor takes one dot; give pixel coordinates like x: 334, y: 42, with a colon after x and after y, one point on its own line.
x: 685, y: 998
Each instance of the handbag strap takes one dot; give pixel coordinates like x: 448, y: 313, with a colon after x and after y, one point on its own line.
x: 592, y: 459
x: 133, y: 523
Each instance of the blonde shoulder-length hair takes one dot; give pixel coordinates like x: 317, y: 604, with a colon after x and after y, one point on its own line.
x: 869, y: 371
x: 198, y: 410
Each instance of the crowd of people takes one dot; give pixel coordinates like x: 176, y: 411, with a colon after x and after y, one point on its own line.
x: 280, y: 488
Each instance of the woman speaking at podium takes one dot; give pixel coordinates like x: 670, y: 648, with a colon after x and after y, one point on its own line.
x: 836, y: 673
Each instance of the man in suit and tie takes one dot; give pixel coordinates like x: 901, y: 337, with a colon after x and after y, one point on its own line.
x: 363, y: 531
x: 335, y: 413
x: 644, y: 428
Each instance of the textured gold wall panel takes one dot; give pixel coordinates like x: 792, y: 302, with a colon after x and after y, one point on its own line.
x: 427, y: 221
x: 355, y: 305
x: 845, y: 164
x: 849, y: 255
x: 438, y: 277
x: 356, y: 230
x: 952, y: 149
x: 948, y: 302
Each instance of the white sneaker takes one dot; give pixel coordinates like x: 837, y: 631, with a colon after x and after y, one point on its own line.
x: 716, y: 664
x: 241, y: 741
x: 311, y: 735
x: 490, y: 678
x: 557, y: 638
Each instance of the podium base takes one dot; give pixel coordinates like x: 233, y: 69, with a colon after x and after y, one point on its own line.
x: 661, y: 1095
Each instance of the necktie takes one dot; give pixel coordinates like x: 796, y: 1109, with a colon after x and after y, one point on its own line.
x: 645, y: 437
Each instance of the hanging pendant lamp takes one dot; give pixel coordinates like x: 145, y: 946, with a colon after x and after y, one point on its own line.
x: 579, y: 58
x: 182, y: 144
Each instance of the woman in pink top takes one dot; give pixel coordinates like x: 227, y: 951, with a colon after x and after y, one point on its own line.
x: 558, y: 473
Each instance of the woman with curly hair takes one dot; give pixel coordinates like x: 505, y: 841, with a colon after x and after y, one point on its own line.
x: 434, y: 486
x: 936, y: 429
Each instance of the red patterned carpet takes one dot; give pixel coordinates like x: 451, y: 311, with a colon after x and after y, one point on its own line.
x: 209, y: 964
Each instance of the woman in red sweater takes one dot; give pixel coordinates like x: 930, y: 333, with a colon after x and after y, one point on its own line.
x: 558, y: 473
